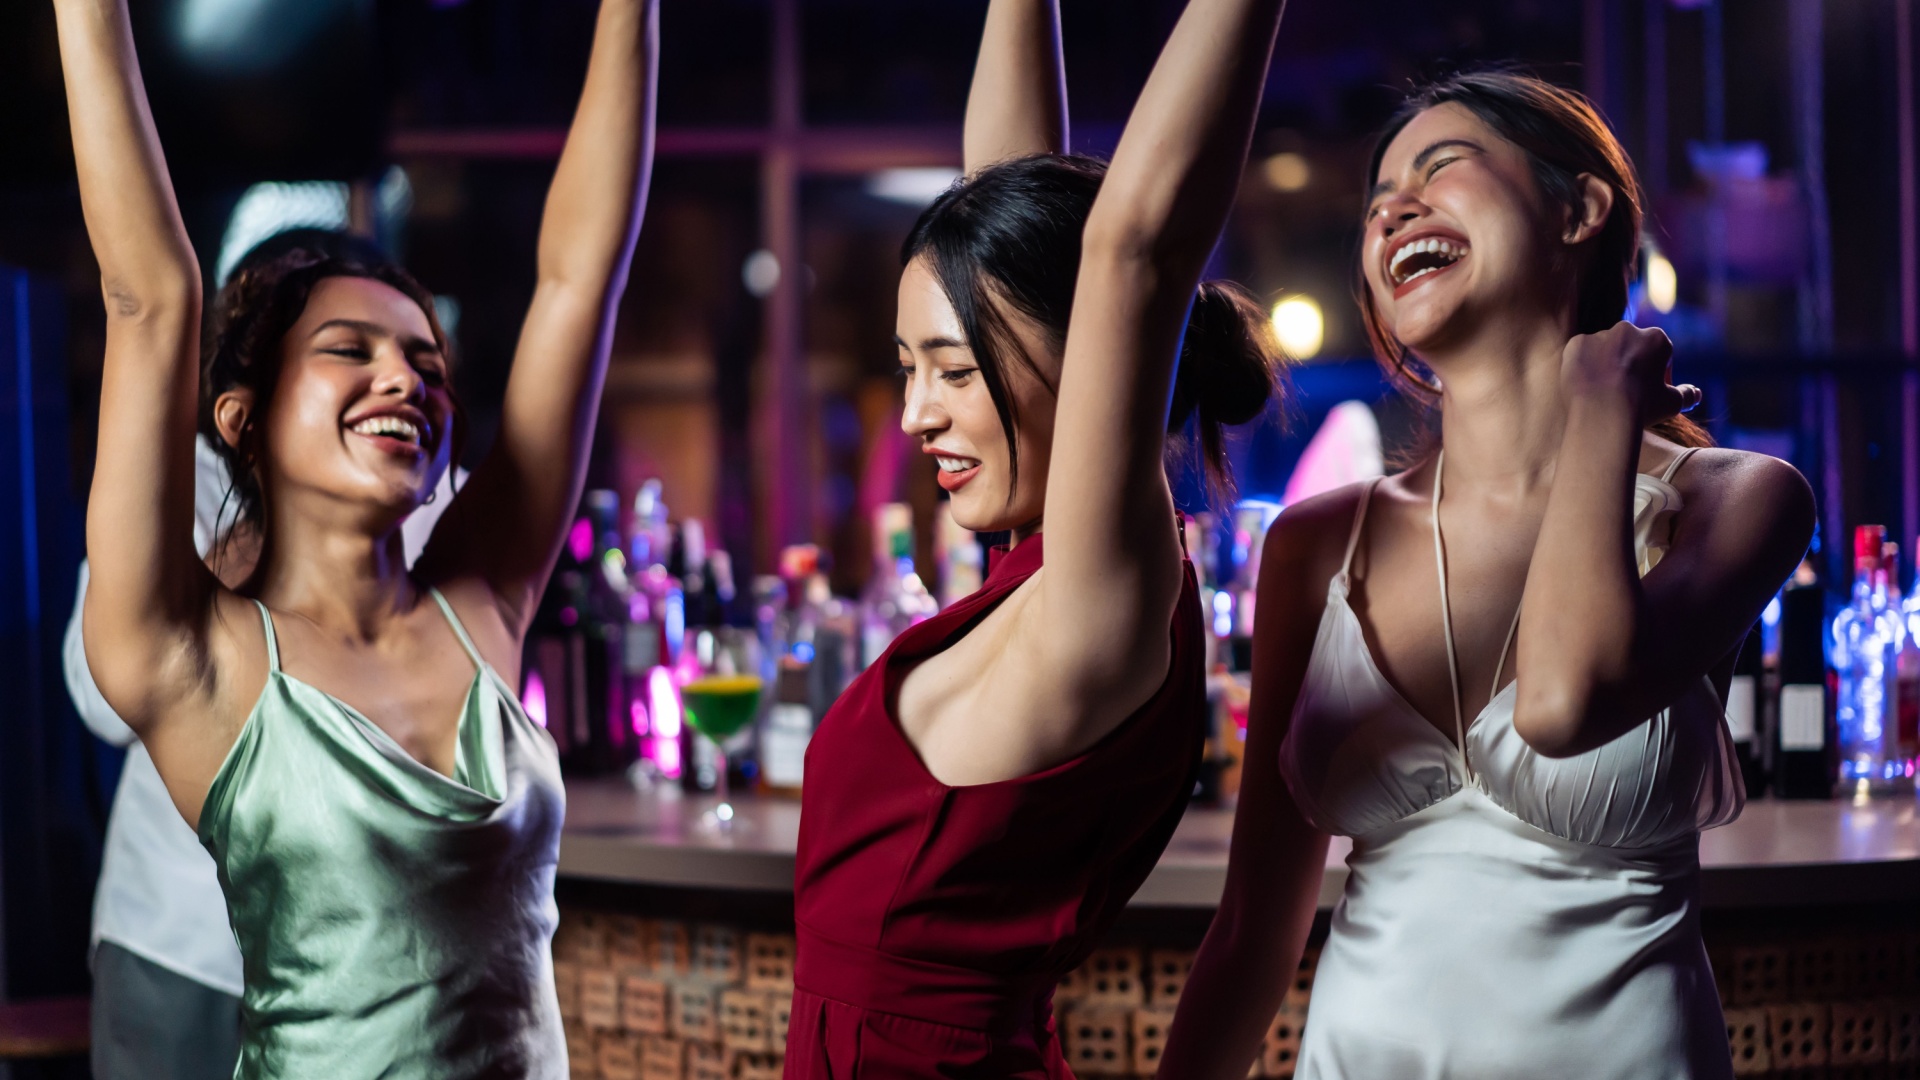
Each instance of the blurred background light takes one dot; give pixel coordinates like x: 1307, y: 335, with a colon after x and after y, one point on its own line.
x: 1298, y: 324
x: 269, y: 209
x: 447, y: 310
x: 916, y: 187
x: 534, y: 698
x: 1287, y: 171
x: 1663, y: 285
x: 249, y: 36
x: 761, y: 272
x: 1348, y: 447
x: 213, y: 27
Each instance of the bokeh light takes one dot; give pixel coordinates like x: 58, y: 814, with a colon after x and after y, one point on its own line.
x: 1663, y: 285
x: 1287, y: 171
x: 1298, y: 324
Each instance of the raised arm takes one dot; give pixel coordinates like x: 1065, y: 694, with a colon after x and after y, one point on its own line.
x: 1113, y: 560
x: 148, y: 589
x: 1600, y: 648
x: 1018, y: 102
x: 507, y: 525
x: 1277, y: 859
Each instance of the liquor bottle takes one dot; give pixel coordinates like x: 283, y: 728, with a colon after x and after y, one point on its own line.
x: 817, y: 629
x: 1865, y: 654
x: 647, y: 549
x: 1907, y: 676
x: 591, y: 693
x: 836, y: 637
x: 788, y: 729
x: 1744, y: 695
x: 1805, y: 749
x: 655, y: 619
x: 698, y: 754
x: 1251, y: 520
x: 1899, y: 750
x: 894, y: 598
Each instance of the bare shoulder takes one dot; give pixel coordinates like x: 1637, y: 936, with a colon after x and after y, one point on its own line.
x: 1736, y: 476
x: 1740, y: 492
x: 1308, y: 540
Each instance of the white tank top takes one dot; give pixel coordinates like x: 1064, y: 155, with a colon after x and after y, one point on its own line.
x: 1508, y: 914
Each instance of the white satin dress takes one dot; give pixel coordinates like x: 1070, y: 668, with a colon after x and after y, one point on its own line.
x: 1508, y: 916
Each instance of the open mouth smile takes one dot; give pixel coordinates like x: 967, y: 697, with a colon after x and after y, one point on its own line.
x: 393, y: 433
x: 1421, y: 258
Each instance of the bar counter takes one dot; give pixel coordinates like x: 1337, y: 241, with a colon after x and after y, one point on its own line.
x: 1778, y: 854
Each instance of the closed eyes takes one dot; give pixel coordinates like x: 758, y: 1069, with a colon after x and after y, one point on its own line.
x: 426, y: 365
x: 955, y: 376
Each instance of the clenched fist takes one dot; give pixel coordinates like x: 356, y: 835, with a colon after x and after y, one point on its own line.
x: 1627, y: 363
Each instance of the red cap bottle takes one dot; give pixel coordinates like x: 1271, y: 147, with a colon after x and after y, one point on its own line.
x: 1868, y: 541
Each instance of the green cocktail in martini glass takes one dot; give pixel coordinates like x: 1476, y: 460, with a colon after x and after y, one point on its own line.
x: 718, y: 706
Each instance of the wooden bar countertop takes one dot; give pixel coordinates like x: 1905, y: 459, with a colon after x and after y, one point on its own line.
x: 1778, y: 854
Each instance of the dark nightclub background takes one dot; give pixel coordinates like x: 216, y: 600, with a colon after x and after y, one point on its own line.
x: 753, y: 363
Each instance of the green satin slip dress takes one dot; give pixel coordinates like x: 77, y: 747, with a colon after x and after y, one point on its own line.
x: 394, y: 922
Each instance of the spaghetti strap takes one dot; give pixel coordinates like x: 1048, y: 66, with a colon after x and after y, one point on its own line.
x: 273, y: 644
x: 1359, y: 519
x: 1674, y: 465
x: 1500, y: 668
x: 1446, y: 617
x: 459, y: 630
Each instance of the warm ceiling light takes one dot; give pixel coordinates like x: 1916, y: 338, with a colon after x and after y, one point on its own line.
x: 1298, y: 324
x: 1287, y: 171
x: 1663, y: 285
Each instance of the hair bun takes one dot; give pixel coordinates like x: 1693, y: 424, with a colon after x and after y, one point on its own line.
x: 1228, y: 359
x: 1229, y: 370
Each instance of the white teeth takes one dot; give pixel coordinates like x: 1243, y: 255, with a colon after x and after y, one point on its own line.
x: 388, y: 425
x: 954, y: 464
x: 1447, y: 249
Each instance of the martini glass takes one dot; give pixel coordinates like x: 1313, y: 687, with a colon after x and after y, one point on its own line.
x: 720, y: 702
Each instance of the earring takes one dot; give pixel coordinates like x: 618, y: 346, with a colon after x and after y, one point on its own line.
x: 431, y: 495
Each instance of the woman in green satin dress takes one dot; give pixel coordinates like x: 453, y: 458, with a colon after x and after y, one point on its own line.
x: 342, y: 732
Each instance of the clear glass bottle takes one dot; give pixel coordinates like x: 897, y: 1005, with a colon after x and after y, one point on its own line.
x: 895, y: 598
x: 1864, y: 655
x: 1907, y: 676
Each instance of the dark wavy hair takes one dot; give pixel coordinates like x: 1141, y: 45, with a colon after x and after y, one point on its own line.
x: 1563, y: 136
x: 1010, y: 235
x: 245, y: 345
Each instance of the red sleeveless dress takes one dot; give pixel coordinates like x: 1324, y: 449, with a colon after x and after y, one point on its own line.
x: 934, y: 921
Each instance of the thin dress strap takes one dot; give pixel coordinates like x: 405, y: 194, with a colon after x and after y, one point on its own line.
x: 459, y: 630
x: 1359, y: 519
x: 1500, y: 668
x: 273, y: 644
x: 1678, y: 460
x: 1446, y: 616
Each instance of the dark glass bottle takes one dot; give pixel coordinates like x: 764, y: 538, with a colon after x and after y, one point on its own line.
x: 1806, y: 743
x: 1745, y: 694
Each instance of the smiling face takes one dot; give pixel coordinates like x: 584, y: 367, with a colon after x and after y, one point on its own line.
x: 950, y: 410
x: 1457, y: 232
x: 362, y: 411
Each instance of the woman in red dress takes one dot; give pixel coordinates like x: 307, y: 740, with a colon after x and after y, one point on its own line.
x: 985, y: 798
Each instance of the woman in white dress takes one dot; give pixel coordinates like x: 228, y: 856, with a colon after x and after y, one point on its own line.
x: 1500, y: 671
